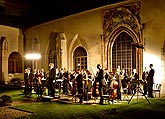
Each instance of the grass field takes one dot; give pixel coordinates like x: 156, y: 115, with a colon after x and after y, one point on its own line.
x: 59, y: 110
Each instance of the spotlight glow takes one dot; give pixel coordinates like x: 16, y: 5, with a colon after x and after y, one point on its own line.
x: 32, y: 56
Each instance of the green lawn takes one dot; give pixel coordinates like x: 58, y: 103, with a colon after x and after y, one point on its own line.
x: 134, y: 110
x: 58, y: 110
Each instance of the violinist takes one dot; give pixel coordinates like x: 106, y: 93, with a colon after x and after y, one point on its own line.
x: 38, y: 83
x: 28, y: 81
x: 43, y: 80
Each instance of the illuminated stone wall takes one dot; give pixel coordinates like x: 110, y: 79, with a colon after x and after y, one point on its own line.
x: 86, y: 29
x: 12, y: 43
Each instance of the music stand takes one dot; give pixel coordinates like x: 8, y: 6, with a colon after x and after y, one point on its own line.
x: 138, y: 90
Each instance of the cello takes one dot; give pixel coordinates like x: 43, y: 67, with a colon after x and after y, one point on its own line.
x: 113, y: 90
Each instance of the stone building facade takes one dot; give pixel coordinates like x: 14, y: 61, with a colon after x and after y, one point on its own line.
x: 128, y: 34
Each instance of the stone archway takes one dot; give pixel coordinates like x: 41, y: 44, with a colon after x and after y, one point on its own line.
x: 118, y: 20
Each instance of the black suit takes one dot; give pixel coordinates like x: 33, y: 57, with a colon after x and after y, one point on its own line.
x: 99, y: 78
x: 28, y: 83
x: 135, y: 80
x: 51, y: 78
x: 150, y: 81
x: 144, y: 78
x: 79, y: 80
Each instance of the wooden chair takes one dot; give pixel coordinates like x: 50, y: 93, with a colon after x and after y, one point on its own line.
x: 156, y: 89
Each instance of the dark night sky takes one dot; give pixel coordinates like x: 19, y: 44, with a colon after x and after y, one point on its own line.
x: 35, y: 12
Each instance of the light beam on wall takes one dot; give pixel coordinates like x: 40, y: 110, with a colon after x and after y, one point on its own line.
x: 150, y: 58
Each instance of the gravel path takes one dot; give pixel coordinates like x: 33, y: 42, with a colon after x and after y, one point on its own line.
x: 7, y: 112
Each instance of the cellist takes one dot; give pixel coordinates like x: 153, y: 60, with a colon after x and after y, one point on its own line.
x: 118, y: 79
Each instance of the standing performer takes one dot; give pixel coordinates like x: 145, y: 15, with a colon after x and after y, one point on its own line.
x: 79, y: 80
x: 51, y: 78
x: 38, y: 83
x: 106, y: 81
x: 144, y: 79
x: 150, y: 80
x: 28, y: 82
x: 65, y: 82
x: 99, y: 78
x: 43, y: 80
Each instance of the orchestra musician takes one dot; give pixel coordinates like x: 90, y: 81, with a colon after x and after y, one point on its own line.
x: 90, y: 80
x: 65, y: 81
x: 106, y: 82
x: 43, y: 80
x: 144, y: 79
x: 79, y: 83
x: 38, y: 83
x: 118, y: 79
x: 113, y: 89
x: 129, y: 77
x: 99, y: 78
x: 150, y: 81
x: 28, y: 76
x: 124, y: 80
x: 134, y: 81
x: 51, y: 77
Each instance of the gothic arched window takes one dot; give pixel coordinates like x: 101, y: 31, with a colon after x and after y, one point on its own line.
x: 123, y: 53
x: 80, y: 58
x: 15, y: 63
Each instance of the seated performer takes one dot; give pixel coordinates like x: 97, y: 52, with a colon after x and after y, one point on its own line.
x: 135, y: 78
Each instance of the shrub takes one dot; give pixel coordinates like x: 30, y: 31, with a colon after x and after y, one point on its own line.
x: 15, y: 80
x: 5, y: 100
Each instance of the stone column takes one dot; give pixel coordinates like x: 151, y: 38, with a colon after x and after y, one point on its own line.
x: 1, y: 45
x: 63, y: 52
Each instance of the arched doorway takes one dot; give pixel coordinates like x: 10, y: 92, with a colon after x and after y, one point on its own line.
x: 123, y: 53
x: 80, y: 58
